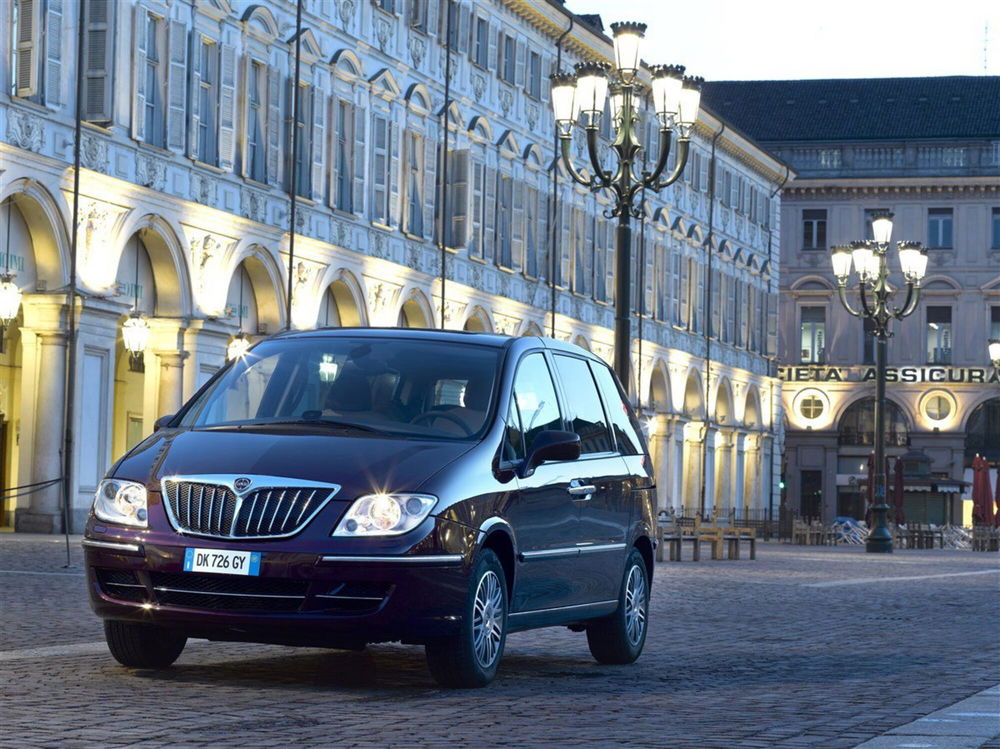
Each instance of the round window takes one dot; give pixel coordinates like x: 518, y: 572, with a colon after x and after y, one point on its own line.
x: 937, y: 408
x: 811, y: 407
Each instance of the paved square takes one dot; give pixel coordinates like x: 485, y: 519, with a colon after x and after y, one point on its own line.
x: 805, y: 646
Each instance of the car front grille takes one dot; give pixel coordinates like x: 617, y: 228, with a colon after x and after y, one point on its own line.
x: 123, y: 585
x: 215, y: 509
x: 226, y: 593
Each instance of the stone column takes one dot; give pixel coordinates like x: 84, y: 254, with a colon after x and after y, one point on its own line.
x: 677, y: 467
x: 41, y: 511
x: 739, y: 470
x: 709, y: 446
x: 659, y: 451
x: 167, y: 343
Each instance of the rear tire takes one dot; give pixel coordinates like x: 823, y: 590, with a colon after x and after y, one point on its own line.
x: 619, y: 638
x: 471, y: 657
x: 142, y: 645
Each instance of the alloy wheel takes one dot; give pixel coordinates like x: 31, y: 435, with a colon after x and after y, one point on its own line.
x: 488, y: 619
x: 635, y: 605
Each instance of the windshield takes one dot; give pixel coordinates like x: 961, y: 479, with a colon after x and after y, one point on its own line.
x: 399, y: 386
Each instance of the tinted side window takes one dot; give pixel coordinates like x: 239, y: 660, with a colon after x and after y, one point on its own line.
x: 583, y: 405
x: 629, y: 442
x: 536, y: 399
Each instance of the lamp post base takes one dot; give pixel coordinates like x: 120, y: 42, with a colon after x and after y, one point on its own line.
x: 879, y: 540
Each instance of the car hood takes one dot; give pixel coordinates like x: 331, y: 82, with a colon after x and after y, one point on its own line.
x: 360, y: 464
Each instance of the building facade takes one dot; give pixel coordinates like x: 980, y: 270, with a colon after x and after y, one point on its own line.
x: 927, y: 149
x: 184, y: 217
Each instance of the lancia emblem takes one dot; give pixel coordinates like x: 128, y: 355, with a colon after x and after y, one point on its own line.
x: 242, y: 484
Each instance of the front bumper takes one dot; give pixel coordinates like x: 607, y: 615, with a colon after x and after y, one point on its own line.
x: 299, y: 597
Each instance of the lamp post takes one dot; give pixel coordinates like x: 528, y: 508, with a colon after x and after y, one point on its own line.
x: 675, y: 101
x: 994, y: 349
x: 870, y: 260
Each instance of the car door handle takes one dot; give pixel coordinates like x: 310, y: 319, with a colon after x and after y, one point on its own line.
x: 583, y: 491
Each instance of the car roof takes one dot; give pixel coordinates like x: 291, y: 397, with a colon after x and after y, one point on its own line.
x: 436, y: 334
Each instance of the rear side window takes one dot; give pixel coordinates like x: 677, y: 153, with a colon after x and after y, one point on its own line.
x: 536, y: 399
x: 629, y: 442
x: 583, y: 406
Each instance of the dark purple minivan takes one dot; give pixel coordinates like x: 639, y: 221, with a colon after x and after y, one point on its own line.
x: 342, y: 487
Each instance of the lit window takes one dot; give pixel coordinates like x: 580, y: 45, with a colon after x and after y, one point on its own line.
x: 813, y: 335
x: 939, y: 335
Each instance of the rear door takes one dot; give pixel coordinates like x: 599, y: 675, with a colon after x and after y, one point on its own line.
x: 543, y: 515
x: 599, y: 482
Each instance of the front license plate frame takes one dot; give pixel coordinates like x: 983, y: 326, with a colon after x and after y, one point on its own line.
x: 222, y: 561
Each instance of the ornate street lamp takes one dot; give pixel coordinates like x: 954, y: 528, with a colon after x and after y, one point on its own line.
x: 239, y: 344
x: 870, y: 260
x: 10, y: 294
x: 675, y: 101
x: 994, y: 348
x: 135, y: 330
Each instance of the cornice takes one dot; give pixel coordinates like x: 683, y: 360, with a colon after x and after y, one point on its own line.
x: 914, y: 186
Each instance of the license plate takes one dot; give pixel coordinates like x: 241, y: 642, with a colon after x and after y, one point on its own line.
x: 222, y: 562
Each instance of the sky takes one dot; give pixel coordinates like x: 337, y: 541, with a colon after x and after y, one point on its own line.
x: 788, y: 39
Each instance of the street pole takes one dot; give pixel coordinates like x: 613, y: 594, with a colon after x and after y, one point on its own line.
x: 623, y: 290
x: 879, y: 539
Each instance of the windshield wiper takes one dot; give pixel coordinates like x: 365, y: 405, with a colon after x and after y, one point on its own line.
x: 328, y: 423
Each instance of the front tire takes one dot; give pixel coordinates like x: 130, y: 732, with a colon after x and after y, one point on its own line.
x: 619, y: 638
x: 471, y: 657
x: 142, y: 645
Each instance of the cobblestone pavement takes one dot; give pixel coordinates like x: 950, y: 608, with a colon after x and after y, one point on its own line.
x: 804, y: 646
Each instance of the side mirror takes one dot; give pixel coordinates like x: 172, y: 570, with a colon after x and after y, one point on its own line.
x: 163, y: 421
x: 551, y: 444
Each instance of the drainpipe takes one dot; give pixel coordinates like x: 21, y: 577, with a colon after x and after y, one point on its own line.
x: 772, y: 359
x: 555, y: 197
x: 708, y: 316
x: 443, y: 172
x: 293, y: 171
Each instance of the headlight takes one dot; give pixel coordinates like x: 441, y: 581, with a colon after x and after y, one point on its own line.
x: 123, y: 502
x: 385, y: 514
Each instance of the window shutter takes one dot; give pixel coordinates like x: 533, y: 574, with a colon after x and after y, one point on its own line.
x: 394, y: 174
x: 493, y: 62
x: 465, y: 22
x: 358, y: 167
x: 319, y: 105
x: 227, y: 107
x: 565, y: 243
x: 517, y: 230
x: 98, y: 55
x: 176, y: 90
x: 489, y: 214
x: 26, y: 51
x: 273, y: 125
x: 520, y: 52
x: 139, y: 73
x: 430, y: 183
x: 458, y: 199
x: 53, y: 52
x: 194, y: 96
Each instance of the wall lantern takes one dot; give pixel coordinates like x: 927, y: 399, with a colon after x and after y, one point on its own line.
x: 10, y: 294
x: 135, y: 330
x: 238, y: 346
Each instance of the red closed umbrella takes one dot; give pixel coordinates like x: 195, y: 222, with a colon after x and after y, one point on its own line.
x: 989, y: 516
x: 982, y: 495
x: 897, y: 492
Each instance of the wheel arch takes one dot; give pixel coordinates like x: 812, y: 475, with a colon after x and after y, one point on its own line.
x: 497, y: 535
x: 645, y: 547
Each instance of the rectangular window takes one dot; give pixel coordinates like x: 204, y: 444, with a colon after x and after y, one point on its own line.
x: 342, y: 163
x: 303, y: 148
x: 256, y: 159
x: 418, y: 15
x: 450, y: 25
x: 813, y: 335
x: 535, y: 75
x: 868, y: 344
x: 532, y: 238
x: 939, y: 228
x: 208, y: 100
x: 675, y: 298
x: 811, y: 494
x: 995, y: 323
x: 939, y: 335
x: 814, y: 229
x: 481, y: 50
x: 389, y: 6
x: 995, y: 229
x: 414, y: 184
x: 380, y: 169
x: 508, y: 58
x: 155, y: 113
x: 505, y: 203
